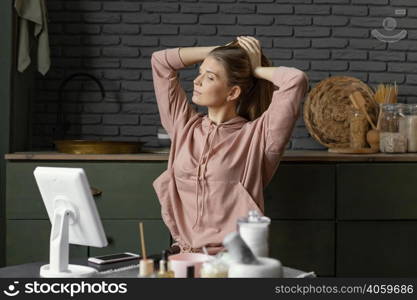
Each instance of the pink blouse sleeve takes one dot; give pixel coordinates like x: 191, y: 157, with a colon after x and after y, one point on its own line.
x: 279, y: 119
x: 173, y: 105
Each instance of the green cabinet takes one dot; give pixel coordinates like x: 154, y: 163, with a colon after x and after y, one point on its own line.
x: 334, y: 218
x: 301, y: 191
x: 123, y: 235
x: 378, y: 191
x: 127, y: 197
x: 28, y: 241
x: 306, y: 245
x: 377, y: 249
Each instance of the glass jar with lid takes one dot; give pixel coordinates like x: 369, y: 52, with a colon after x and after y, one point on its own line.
x: 408, y: 127
x: 391, y: 139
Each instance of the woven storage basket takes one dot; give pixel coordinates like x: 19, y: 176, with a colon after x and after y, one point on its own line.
x: 327, y: 109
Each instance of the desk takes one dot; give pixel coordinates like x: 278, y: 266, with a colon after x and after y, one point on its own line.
x: 31, y: 270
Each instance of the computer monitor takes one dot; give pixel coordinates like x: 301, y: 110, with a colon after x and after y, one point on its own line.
x: 74, y: 218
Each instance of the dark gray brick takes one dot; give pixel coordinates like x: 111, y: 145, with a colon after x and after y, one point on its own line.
x: 405, y: 67
x: 83, y: 119
x: 81, y: 52
x: 138, y: 130
x: 197, y: 30
x: 361, y: 76
x: 179, y: 19
x: 160, y: 7
x: 138, y: 63
x: 82, y: 29
x: 403, y: 45
x: 275, y: 53
x: 370, y: 2
x: 121, y: 29
x: 329, y: 65
x: 101, y: 40
x: 121, y: 119
x: 274, y: 31
x: 199, y: 8
x: 366, y: 22
x: 100, y: 130
x: 120, y: 52
x: 140, y: 41
x: 307, y: 144
x: 386, y: 56
x: 180, y: 41
x: 214, y: 19
x: 235, y: 30
x: 150, y: 120
x: 311, y: 54
x: 102, y: 108
x: 121, y: 74
x: 255, y: 20
x: 351, y: 32
x: 159, y: 29
x: 137, y: 86
x: 352, y: 10
x: 312, y: 10
x: 140, y: 108
x: 386, y: 77
x: 103, y: 18
x: 275, y: 9
x: 64, y: 17
x: 349, y: 54
x: 367, y: 66
x: 329, y: 43
x: 367, y: 44
x: 82, y: 6
x: 293, y: 20
x: 102, y: 63
x: 311, y: 32
x: 121, y: 6
x: 330, y: 21
x: 291, y: 43
x: 65, y: 40
x: 140, y: 18
x: 237, y: 9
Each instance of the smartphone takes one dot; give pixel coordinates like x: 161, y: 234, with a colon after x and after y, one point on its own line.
x: 117, y: 257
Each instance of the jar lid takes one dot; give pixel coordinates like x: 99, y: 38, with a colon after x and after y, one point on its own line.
x: 254, y: 217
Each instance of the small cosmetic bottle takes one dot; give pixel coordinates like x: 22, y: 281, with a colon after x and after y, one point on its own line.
x: 164, y: 271
x: 190, y: 272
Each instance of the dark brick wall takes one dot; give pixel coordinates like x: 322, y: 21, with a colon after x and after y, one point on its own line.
x: 114, y: 41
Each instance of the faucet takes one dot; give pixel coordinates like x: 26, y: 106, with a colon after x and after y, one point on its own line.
x: 62, y: 126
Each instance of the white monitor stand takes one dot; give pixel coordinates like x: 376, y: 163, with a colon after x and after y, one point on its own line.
x: 73, y: 214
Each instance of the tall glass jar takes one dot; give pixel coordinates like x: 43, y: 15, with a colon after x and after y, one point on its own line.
x: 391, y: 139
x: 358, y: 128
x: 408, y: 127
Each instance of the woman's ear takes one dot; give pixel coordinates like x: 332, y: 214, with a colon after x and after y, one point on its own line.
x: 234, y: 93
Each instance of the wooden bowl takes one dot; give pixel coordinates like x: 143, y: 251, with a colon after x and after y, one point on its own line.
x: 97, y: 147
x: 327, y: 107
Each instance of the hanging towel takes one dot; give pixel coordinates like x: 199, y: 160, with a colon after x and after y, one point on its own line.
x: 33, y: 11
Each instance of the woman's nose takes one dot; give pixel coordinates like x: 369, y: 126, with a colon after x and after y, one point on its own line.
x: 197, y: 80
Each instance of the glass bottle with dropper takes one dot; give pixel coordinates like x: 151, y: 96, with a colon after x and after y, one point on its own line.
x: 164, y: 270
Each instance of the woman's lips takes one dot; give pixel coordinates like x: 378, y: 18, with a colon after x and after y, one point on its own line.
x: 196, y: 92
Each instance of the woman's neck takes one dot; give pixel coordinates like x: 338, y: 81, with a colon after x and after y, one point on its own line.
x: 221, y: 114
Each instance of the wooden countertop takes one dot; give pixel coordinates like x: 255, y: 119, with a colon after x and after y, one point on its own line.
x: 290, y: 155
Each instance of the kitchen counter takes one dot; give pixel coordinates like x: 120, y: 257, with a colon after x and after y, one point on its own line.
x: 290, y: 155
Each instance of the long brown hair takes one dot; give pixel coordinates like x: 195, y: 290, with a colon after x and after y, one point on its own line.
x: 256, y: 93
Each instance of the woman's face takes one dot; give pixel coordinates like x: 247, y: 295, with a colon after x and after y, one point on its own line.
x: 210, y: 86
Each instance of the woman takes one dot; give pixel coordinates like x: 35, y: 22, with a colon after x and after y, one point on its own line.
x: 220, y: 163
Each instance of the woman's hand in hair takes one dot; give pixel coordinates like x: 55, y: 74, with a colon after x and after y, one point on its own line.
x: 253, y: 48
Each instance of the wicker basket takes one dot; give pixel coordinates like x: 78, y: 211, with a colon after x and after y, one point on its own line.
x: 327, y: 109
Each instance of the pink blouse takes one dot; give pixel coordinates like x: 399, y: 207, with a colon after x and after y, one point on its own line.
x: 217, y: 173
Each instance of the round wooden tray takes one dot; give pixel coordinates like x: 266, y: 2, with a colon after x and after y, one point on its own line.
x: 97, y: 147
x: 327, y: 109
